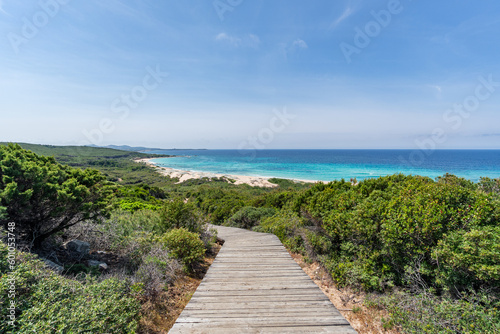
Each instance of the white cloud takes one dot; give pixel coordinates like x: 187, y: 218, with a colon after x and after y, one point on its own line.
x: 299, y: 43
x: 223, y: 37
x: 347, y: 12
x: 250, y: 40
x: 351, y: 7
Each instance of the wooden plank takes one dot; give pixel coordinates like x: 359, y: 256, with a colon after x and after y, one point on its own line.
x: 267, y: 321
x: 257, y: 312
x: 305, y: 306
x: 256, y: 299
x: 254, y: 286
x: 295, y: 292
x: 246, y: 329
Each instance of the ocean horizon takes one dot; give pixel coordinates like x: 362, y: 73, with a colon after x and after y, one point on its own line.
x: 335, y: 164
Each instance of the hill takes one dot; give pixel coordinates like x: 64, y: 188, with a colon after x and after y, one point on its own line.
x: 117, y: 165
x: 129, y: 148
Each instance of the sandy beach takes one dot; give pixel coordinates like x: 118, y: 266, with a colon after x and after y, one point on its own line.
x: 183, y: 175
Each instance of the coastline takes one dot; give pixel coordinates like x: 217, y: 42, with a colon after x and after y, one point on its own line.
x: 184, y: 175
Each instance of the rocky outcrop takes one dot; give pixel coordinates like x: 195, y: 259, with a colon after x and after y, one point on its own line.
x: 77, y: 246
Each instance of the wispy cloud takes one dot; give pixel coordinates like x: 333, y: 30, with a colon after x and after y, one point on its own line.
x: 250, y: 40
x: 299, y: 43
x: 289, y: 48
x: 437, y: 90
x: 1, y: 7
x: 223, y: 37
x: 348, y: 11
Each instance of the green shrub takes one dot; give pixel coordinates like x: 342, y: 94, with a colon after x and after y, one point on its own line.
x: 288, y: 184
x: 426, y: 313
x: 490, y: 185
x: 286, y: 225
x: 124, y: 223
x: 469, y: 257
x: 319, y: 243
x: 379, y: 228
x: 219, y: 203
x: 418, y: 217
x: 249, y: 217
x: 275, y: 199
x: 44, y: 197
x: 69, y: 306
x: 176, y: 214
x: 49, y: 303
x: 143, y: 197
x: 185, y: 246
x: 133, y: 205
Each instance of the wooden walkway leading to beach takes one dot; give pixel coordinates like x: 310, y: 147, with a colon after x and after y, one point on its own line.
x: 254, y: 286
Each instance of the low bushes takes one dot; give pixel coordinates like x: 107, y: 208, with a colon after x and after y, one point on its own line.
x: 155, y: 272
x: 249, y: 217
x: 286, y: 225
x: 436, y: 241
x: 469, y: 258
x: 424, y: 312
x: 382, y: 227
x: 184, y: 245
x: 178, y: 214
x: 49, y: 303
x: 219, y: 203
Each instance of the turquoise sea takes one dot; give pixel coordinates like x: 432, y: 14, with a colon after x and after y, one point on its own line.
x: 328, y: 165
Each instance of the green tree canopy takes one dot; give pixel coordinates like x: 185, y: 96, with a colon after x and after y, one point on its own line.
x: 43, y: 197
x: 177, y: 214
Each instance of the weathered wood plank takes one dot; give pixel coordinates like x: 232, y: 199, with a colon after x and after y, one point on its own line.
x: 245, y: 329
x: 254, y: 286
x: 261, y: 305
x: 257, y: 312
x: 267, y: 321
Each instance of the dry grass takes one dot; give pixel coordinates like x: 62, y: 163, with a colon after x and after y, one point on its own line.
x: 159, y: 315
x: 363, y: 319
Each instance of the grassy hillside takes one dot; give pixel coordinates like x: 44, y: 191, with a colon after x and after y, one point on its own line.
x: 79, y: 152
x: 117, y: 165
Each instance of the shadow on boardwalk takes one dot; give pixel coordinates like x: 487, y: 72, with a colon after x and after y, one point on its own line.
x: 254, y: 286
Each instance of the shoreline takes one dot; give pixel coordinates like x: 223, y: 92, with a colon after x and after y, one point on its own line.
x: 184, y: 175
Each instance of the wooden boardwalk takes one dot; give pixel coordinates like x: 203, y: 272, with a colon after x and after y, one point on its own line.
x: 254, y: 286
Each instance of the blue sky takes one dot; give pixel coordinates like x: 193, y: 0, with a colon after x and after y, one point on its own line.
x: 350, y: 73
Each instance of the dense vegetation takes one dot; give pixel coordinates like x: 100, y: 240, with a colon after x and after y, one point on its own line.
x: 117, y: 165
x: 427, y: 250
x: 49, y: 303
x: 148, y: 241
x: 44, y: 197
x: 436, y: 242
